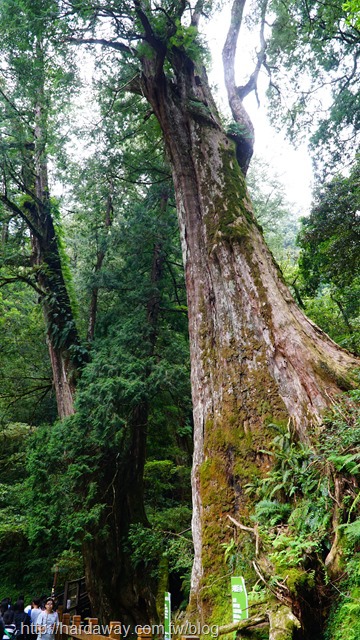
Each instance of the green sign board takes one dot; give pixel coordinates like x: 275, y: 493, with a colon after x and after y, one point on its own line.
x: 239, y: 599
x: 167, y: 616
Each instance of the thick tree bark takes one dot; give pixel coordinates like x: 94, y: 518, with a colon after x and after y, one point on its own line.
x: 255, y: 358
x: 62, y: 337
x: 66, y: 354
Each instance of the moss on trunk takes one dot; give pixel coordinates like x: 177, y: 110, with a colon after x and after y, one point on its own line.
x: 256, y: 359
x: 283, y: 624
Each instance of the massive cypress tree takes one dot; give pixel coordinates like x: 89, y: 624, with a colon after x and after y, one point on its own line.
x: 123, y: 238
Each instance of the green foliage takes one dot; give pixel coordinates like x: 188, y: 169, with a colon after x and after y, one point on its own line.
x: 121, y: 238
x: 187, y: 39
x: 65, y: 260
x: 276, y: 215
x: 330, y: 236
x: 14, y: 547
x: 329, y: 261
x: 238, y: 131
x: 352, y: 8
x: 351, y: 531
x: 344, y: 617
x: 290, y: 550
x: 294, y: 508
x: 311, y: 54
x: 349, y: 463
x: 335, y: 310
x: 25, y: 377
x: 272, y: 512
x: 139, y: 363
x: 167, y: 538
x: 165, y: 483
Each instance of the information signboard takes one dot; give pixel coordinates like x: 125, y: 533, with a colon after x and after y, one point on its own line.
x: 167, y: 616
x: 239, y: 599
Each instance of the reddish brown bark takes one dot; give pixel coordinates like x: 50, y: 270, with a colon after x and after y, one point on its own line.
x: 255, y: 357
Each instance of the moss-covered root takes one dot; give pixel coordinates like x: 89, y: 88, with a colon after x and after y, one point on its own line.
x: 282, y: 623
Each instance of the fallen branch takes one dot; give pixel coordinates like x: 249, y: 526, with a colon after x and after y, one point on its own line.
x: 253, y: 530
x: 242, y: 624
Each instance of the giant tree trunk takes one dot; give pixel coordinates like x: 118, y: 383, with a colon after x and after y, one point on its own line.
x: 255, y: 358
x: 29, y: 199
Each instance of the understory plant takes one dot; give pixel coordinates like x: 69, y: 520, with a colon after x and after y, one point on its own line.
x: 305, y: 528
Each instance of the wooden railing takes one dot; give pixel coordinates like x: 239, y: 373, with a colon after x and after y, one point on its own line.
x: 74, y: 627
x: 86, y: 630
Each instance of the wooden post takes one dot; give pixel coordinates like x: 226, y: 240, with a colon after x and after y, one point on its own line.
x: 77, y: 623
x: 65, y: 622
x: 144, y: 633
x: 115, y: 629
x: 92, y: 622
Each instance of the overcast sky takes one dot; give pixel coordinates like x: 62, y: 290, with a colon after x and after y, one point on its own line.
x: 293, y: 165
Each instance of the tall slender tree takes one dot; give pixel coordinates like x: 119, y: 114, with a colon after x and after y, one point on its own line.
x: 31, y: 80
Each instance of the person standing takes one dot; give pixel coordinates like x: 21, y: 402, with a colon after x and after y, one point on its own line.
x: 35, y: 612
x: 9, y: 627
x: 22, y: 621
x: 47, y: 621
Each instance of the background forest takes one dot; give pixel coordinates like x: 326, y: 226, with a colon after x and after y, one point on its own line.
x: 95, y: 466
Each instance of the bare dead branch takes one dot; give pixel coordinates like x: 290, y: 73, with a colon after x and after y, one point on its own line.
x: 243, y: 624
x: 245, y: 138
x: 113, y: 44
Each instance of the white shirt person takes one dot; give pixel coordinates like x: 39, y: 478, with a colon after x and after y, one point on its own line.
x: 47, y: 622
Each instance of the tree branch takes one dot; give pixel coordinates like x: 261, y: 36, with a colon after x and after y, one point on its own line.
x: 245, y: 137
x: 150, y: 37
x: 19, y: 212
x: 19, y: 278
x: 243, y: 624
x: 251, y: 85
x: 197, y: 13
x: 119, y: 46
x: 254, y: 530
x: 14, y: 107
